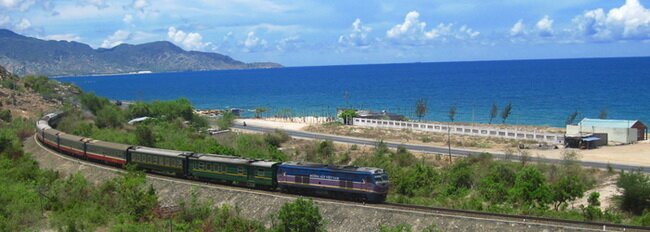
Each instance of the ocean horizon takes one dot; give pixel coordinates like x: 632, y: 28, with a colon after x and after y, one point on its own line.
x: 542, y: 92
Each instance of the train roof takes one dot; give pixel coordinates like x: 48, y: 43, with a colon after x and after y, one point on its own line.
x: 42, y: 124
x: 264, y: 163
x: 100, y: 143
x: 220, y: 158
x: 334, y: 167
x: 63, y: 135
x: 158, y: 151
x: 52, y: 131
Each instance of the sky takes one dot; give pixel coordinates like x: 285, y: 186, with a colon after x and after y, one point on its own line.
x: 311, y: 33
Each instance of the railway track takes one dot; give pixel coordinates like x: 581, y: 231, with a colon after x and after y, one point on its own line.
x: 558, y: 224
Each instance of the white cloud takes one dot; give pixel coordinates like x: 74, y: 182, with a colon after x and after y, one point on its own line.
x: 66, y: 37
x: 517, y: 29
x: 358, y: 37
x: 290, y: 43
x: 116, y: 39
x: 139, y: 4
x: 545, y: 26
x: 628, y: 22
x: 100, y: 4
x: 190, y: 41
x: 254, y: 43
x: 24, y: 24
x: 128, y: 18
x: 4, y: 20
x: 414, y: 32
x: 10, y: 3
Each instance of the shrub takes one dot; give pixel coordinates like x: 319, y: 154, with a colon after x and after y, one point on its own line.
x: 93, y: 102
x: 530, y: 188
x: 300, y: 215
x: 109, y: 117
x: 226, y: 120
x: 144, y: 136
x: 636, y: 192
x: 5, y: 115
x: 276, y: 137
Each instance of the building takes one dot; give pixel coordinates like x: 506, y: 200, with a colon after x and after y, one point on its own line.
x: 618, y: 131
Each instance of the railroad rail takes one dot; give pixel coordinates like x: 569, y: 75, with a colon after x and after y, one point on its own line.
x: 435, y: 211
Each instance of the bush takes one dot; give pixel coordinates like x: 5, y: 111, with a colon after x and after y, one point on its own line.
x: 530, y: 188
x: 93, y: 102
x: 636, y: 192
x: 300, y: 215
x: 276, y: 137
x: 226, y: 120
x: 144, y: 136
x: 5, y: 115
x: 109, y: 117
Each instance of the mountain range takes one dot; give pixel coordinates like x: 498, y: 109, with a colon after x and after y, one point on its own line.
x: 24, y: 55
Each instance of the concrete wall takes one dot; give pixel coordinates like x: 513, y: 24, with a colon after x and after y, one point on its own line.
x: 463, y: 130
x: 614, y: 135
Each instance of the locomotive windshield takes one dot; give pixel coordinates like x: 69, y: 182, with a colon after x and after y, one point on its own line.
x: 381, y: 178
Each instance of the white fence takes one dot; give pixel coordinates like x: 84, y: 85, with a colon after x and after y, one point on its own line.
x: 552, y: 138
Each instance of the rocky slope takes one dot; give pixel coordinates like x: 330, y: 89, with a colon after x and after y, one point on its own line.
x: 24, y: 55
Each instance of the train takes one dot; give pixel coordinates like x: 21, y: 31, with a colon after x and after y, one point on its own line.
x: 363, y: 184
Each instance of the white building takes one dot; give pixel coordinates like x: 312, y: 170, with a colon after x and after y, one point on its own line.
x: 618, y: 131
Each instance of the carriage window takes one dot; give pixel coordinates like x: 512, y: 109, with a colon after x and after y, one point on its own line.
x: 260, y: 172
x: 240, y: 170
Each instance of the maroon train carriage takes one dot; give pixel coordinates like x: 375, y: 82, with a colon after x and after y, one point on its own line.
x: 71, y: 144
x: 107, y: 152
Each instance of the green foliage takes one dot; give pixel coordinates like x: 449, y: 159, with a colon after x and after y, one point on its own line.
x: 169, y: 110
x: 397, y: 228
x: 144, y: 136
x: 93, y: 103
x: 636, y: 192
x: 493, y: 112
x: 276, y: 138
x: 139, y: 109
x: 421, y: 108
x: 5, y: 115
x: 109, y: 116
x: 452, y: 113
x: 347, y: 116
x: 325, y: 150
x: 567, y: 189
x: 300, y: 215
x: 530, y: 188
x: 226, y: 120
x: 402, y: 157
x: 259, y: 111
x: 42, y: 85
x: 506, y: 112
x: 495, y: 185
x: 571, y: 118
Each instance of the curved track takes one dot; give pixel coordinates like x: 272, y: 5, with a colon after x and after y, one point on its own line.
x: 433, y: 211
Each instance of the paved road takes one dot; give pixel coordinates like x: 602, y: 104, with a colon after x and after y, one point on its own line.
x: 432, y: 149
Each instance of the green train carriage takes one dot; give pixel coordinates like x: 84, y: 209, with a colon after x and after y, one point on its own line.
x: 232, y: 170
x: 159, y: 160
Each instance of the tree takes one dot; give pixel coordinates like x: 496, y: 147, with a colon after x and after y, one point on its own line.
x: 325, y: 149
x: 530, y: 188
x: 603, y: 113
x: 144, y: 136
x: 571, y: 118
x: 567, y: 189
x: 593, y: 211
x: 347, y: 116
x: 300, y: 216
x: 259, y: 111
x: 93, y: 102
x: 139, y: 109
x: 420, y: 108
x: 506, y: 112
x: 493, y: 112
x: 452, y: 112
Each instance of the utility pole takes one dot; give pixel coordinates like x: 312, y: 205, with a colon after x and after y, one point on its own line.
x: 449, y: 140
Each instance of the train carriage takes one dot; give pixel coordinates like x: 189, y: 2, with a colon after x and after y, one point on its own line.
x: 50, y: 138
x: 71, y: 144
x: 159, y: 160
x: 111, y: 153
x: 220, y: 168
x: 357, y: 183
x: 263, y: 173
x: 41, y: 126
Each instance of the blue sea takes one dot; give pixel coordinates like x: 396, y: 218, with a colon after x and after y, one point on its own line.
x: 542, y: 92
